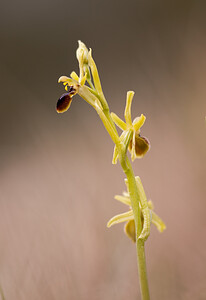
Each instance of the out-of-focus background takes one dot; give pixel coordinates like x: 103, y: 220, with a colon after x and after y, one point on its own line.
x: 56, y: 178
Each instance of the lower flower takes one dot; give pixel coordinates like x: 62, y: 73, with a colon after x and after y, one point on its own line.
x: 128, y: 217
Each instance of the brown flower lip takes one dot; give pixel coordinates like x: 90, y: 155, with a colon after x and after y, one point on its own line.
x: 142, y: 145
x: 65, y: 101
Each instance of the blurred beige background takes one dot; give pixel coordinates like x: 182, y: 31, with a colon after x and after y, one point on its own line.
x: 56, y: 178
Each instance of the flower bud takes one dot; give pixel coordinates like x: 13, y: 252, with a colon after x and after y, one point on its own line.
x: 82, y: 53
x: 129, y: 229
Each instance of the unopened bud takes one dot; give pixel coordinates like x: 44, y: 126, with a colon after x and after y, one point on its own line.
x: 82, y: 53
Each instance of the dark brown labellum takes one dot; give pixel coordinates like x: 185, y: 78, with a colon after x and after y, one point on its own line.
x: 142, y: 145
x: 64, y: 103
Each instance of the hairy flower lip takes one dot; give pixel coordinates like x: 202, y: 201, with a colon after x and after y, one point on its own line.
x: 65, y: 100
x: 141, y: 147
x: 63, y: 103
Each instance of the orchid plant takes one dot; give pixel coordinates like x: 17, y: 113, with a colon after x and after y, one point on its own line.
x: 141, y: 212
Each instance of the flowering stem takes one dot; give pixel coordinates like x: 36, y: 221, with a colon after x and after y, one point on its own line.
x: 134, y: 196
x: 135, y: 199
x: 142, y: 270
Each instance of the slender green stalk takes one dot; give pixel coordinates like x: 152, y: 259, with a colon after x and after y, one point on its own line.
x: 2, y: 294
x: 142, y: 270
x: 134, y: 196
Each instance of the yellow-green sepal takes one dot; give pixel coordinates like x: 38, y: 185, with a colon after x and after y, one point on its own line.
x: 127, y: 216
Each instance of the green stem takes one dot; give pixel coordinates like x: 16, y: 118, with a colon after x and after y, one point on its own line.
x: 141, y: 262
x: 142, y: 270
x: 135, y: 200
x: 2, y: 294
x: 105, y: 116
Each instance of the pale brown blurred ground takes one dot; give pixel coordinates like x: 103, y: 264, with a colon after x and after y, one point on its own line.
x: 56, y: 179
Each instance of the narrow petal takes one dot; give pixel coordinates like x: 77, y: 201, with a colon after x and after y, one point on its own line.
x: 124, y: 199
x: 121, y: 218
x: 150, y: 205
x: 80, y: 57
x: 132, y: 147
x: 121, y: 124
x: 138, y: 122
x: 74, y: 76
x: 157, y: 221
x: 125, y: 194
x: 63, y: 103
x: 95, y: 74
x: 127, y: 113
x: 63, y: 79
x: 83, y: 80
x: 126, y: 138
